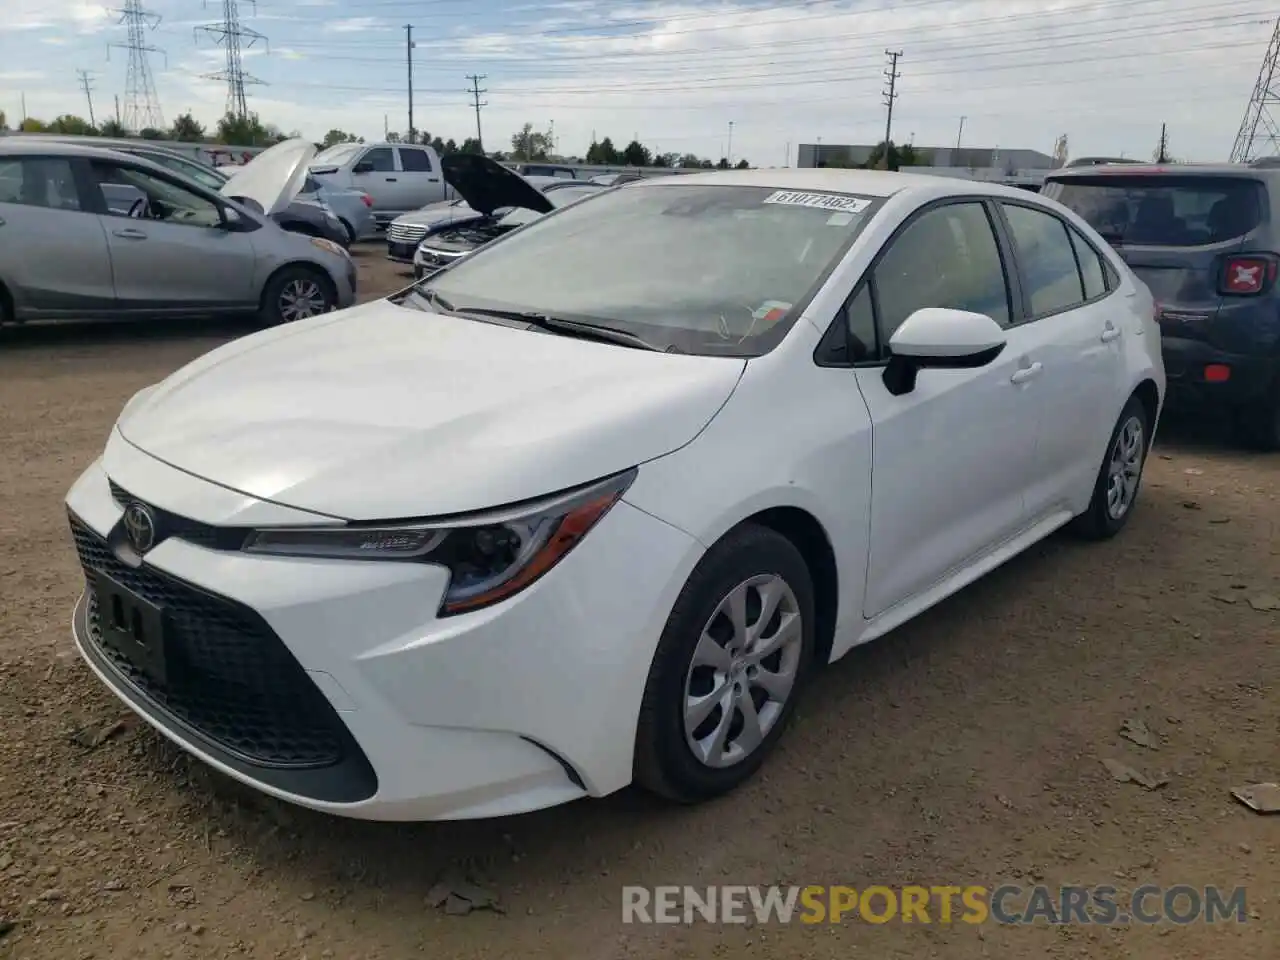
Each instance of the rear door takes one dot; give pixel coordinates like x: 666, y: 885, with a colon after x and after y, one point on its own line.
x: 53, y: 250
x: 420, y: 181
x: 1178, y: 231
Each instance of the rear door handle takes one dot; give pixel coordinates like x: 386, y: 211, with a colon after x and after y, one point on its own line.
x: 1027, y: 373
x: 1110, y: 333
x: 130, y: 234
x: 431, y: 179
x: 391, y: 179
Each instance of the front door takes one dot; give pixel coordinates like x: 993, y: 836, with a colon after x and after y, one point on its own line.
x: 376, y: 173
x: 169, y: 249
x: 951, y: 458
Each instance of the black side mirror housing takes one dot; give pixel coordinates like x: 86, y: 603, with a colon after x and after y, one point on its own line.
x: 364, y: 166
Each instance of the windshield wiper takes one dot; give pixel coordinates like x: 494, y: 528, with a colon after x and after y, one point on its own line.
x: 571, y: 328
x: 433, y: 298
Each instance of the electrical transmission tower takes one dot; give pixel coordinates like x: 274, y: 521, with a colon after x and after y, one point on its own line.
x: 1259, y: 134
x: 475, y: 92
x: 86, y: 84
x: 233, y: 37
x: 141, y: 104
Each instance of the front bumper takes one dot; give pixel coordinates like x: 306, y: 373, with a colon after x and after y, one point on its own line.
x: 524, y: 705
x: 1251, y: 378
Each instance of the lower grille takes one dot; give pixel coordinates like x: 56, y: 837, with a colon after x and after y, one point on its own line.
x: 228, y: 677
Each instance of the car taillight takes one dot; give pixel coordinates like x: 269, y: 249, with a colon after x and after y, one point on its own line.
x: 1244, y: 276
x: 366, y: 199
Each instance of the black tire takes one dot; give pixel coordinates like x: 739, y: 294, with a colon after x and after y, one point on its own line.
x: 351, y: 232
x: 665, y: 762
x: 1099, y: 521
x: 295, y: 281
x: 1258, y: 426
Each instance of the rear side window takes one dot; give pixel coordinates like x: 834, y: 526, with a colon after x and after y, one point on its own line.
x: 1164, y: 211
x: 1047, y: 260
x: 39, y: 182
x: 415, y: 161
x: 1091, y: 269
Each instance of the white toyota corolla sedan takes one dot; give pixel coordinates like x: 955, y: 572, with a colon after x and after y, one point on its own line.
x: 591, y: 505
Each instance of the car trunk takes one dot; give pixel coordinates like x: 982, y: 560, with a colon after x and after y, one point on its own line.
x: 1175, y: 229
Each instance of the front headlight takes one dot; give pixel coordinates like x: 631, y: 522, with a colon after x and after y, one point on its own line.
x: 490, y: 556
x: 329, y: 246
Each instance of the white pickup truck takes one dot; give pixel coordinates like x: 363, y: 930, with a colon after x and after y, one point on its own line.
x: 398, y: 176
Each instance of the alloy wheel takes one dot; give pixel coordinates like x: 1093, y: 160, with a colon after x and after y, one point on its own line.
x: 1124, y: 468
x: 743, y: 671
x: 300, y: 299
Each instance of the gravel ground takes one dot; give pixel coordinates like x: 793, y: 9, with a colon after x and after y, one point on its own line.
x: 964, y: 748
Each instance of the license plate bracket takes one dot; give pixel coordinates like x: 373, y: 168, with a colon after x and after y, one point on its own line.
x: 132, y: 626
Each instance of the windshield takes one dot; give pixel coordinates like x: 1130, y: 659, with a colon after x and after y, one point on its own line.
x: 335, y: 155
x: 707, y: 269
x: 1163, y: 211
x: 200, y: 174
x: 562, y: 197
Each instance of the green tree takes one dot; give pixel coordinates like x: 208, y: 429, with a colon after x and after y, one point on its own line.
x: 187, y: 129
x: 4, y: 122
x: 898, y: 156
x: 722, y: 163
x: 450, y: 146
x: 151, y: 133
x: 338, y: 136
x: 72, y: 125
x: 667, y: 160
x: 392, y: 137
x: 32, y: 125
x: 603, y: 153
x: 636, y: 154
x: 690, y: 161
x: 742, y: 165
x: 471, y: 145
x: 530, y: 144
x: 245, y: 131
x: 113, y: 128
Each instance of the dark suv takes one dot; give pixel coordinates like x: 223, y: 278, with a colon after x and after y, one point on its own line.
x: 1206, y: 241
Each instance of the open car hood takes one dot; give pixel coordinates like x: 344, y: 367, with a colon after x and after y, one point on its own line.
x: 486, y: 185
x: 273, y: 178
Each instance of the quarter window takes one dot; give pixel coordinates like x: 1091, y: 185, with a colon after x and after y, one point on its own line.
x: 381, y: 158
x: 1047, y: 260
x: 947, y: 257
x: 39, y: 182
x: 414, y: 161
x: 1091, y: 270
x: 860, y: 320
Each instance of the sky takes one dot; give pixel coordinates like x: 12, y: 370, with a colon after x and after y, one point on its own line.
x: 746, y: 78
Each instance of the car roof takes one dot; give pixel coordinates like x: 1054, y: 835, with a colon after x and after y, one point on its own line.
x: 1130, y: 170
x: 868, y: 183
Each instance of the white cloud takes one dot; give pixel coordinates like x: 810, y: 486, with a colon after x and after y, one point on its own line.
x: 354, y: 25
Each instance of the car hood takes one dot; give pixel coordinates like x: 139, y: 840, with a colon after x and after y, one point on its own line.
x: 434, y: 215
x: 385, y: 412
x: 487, y: 185
x: 273, y: 178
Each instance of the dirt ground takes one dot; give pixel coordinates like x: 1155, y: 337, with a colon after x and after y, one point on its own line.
x: 966, y: 747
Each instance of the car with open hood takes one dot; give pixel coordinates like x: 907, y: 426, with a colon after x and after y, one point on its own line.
x: 102, y: 234
x: 503, y: 200
x: 593, y: 504
x: 406, y: 231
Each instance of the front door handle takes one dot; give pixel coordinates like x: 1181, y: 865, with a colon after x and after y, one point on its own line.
x: 1027, y: 373
x: 1110, y: 333
x: 433, y: 179
x: 391, y: 179
x: 128, y: 233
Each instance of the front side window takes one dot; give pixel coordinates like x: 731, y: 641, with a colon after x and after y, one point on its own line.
x: 39, y: 182
x: 947, y: 257
x: 129, y: 192
x: 414, y: 161
x: 381, y: 158
x: 709, y: 269
x: 1047, y: 260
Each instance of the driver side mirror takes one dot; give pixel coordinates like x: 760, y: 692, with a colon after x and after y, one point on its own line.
x: 364, y: 166
x: 232, y: 220
x: 942, y: 339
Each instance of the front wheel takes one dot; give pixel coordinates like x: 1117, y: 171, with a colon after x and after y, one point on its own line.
x: 296, y: 293
x: 1116, y: 489
x: 729, y: 668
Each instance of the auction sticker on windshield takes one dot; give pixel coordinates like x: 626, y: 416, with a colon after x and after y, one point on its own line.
x: 821, y: 201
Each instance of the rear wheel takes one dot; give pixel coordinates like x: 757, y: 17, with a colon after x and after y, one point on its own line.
x: 351, y: 232
x: 296, y: 293
x: 1116, y: 490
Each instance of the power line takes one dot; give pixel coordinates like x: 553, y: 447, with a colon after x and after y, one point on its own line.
x: 86, y: 84
x: 141, y: 102
x: 233, y: 37
x: 890, y: 95
x: 475, y: 91
x: 1257, y: 113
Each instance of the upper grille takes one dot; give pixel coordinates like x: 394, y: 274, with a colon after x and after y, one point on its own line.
x: 192, y: 531
x: 405, y: 233
x: 228, y: 677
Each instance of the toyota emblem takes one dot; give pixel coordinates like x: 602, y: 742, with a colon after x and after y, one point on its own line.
x: 139, y: 527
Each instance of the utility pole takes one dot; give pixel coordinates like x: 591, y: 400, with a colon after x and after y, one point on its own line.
x: 141, y: 103
x: 890, y: 95
x: 786, y: 157
x: 729, y: 158
x: 408, y: 54
x: 475, y: 92
x: 24, y: 107
x: 960, y: 134
x: 117, y: 108
x: 1162, y: 151
x: 86, y: 79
